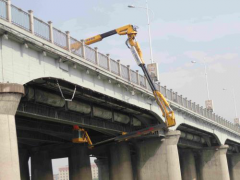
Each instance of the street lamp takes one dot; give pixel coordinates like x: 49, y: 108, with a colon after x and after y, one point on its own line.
x: 236, y: 120
x: 149, y: 29
x: 209, y: 103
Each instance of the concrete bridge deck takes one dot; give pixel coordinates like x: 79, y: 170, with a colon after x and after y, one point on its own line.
x: 110, y: 98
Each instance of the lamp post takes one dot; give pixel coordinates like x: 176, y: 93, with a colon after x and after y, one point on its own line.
x: 209, y: 103
x: 236, y: 120
x: 149, y: 29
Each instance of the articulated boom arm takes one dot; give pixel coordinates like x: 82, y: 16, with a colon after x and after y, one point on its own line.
x: 131, y: 32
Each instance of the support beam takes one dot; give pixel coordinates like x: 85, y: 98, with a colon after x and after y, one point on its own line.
x: 10, y: 95
x: 188, y: 167
x: 79, y: 163
x: 213, y: 165
x: 34, y: 111
x: 23, y: 159
x: 120, y: 162
x: 103, y: 169
x: 158, y: 158
x: 41, y: 166
x: 234, y: 166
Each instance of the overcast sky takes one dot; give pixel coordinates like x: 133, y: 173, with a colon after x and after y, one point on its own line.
x: 182, y: 31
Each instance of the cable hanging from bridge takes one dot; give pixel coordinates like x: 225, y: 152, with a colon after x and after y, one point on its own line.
x: 62, y: 92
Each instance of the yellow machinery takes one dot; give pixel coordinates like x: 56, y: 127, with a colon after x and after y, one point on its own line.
x: 80, y: 136
x: 131, y: 32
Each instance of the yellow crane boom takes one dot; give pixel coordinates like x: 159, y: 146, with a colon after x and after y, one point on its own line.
x: 131, y: 32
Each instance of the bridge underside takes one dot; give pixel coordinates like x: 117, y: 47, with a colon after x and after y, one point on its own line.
x: 44, y: 117
x: 44, y: 123
x: 202, y: 146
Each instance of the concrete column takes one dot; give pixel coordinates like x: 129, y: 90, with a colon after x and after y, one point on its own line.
x: 138, y: 82
x: 113, y: 162
x: 158, y: 158
x: 129, y: 73
x: 68, y: 41
x: 9, y: 14
x: 96, y: 56
x: 188, y: 167
x: 23, y: 159
x: 10, y: 95
x: 51, y: 31
x: 234, y: 166
x: 79, y: 163
x: 119, y: 68
x: 83, y: 49
x: 41, y: 166
x: 134, y: 165
x: 103, y: 169
x: 120, y: 162
x: 214, y: 164
x: 146, y: 82
x: 109, y: 62
x: 31, y: 21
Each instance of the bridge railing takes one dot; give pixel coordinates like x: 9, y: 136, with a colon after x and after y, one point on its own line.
x: 20, y: 18
x: 46, y: 31
x: 41, y: 29
x: 3, y: 10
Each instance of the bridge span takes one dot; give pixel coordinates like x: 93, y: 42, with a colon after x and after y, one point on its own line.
x: 40, y: 73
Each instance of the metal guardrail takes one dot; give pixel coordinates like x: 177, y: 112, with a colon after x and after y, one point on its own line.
x: 20, y: 18
x: 78, y: 51
x: 114, y: 67
x: 134, y: 77
x: 142, y: 81
x: 41, y: 29
x: 59, y: 38
x: 90, y: 54
x: 26, y: 21
x: 124, y: 72
x: 103, y: 61
x: 3, y: 9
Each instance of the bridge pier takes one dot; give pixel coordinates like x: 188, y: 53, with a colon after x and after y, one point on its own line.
x: 79, y: 163
x: 134, y: 166
x: 188, y: 166
x: 120, y: 162
x: 234, y: 166
x: 103, y: 169
x: 214, y: 164
x: 10, y: 96
x: 158, y: 158
x: 41, y: 166
x: 23, y: 159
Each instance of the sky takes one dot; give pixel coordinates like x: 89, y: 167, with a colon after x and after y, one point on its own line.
x: 181, y: 31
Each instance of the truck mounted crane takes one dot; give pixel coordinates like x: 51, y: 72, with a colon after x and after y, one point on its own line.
x: 80, y: 135
x: 133, y: 45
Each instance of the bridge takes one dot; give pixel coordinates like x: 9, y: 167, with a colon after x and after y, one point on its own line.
x: 46, y: 88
